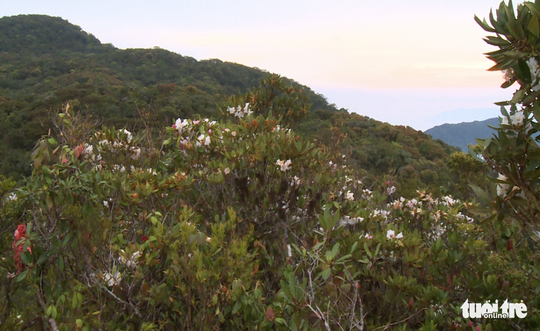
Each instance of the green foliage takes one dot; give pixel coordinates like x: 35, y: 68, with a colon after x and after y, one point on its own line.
x: 239, y: 224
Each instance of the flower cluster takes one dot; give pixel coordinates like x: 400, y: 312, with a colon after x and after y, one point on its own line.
x: 120, y: 143
x: 284, y: 165
x: 112, y: 279
x: 347, y: 220
x: 196, y: 133
x: 12, y: 197
x: 132, y: 261
x: 240, y: 111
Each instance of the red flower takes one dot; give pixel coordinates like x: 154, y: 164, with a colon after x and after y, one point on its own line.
x: 144, y: 238
x: 20, y: 233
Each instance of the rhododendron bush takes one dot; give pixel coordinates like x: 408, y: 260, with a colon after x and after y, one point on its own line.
x: 241, y: 224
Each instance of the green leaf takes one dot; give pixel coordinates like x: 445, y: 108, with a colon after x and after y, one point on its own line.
x: 66, y: 239
x: 42, y: 258
x: 22, y: 276
x: 48, y: 311
x: 280, y: 320
x: 74, y: 301
x: 534, y: 25
x: 60, y: 263
x: 480, y: 194
x: 366, y: 248
x: 292, y: 324
x: 237, y: 307
x: 326, y: 273
x: 483, y: 24
x: 533, y: 8
x: 26, y: 257
x: 518, y: 96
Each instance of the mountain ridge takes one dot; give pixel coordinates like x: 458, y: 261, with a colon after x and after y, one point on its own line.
x: 462, y: 134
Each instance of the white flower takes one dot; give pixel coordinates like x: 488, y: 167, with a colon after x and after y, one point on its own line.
x: 112, y: 279
x: 136, y: 153
x: 88, y: 149
x: 12, y: 197
x: 508, y: 75
x: 179, y: 125
x: 285, y: 165
x: 533, y: 67
x: 391, y: 190
x: 390, y: 234
x: 517, y: 119
x: 502, y: 188
x: 501, y: 191
x: 349, y: 196
x: 104, y: 143
x: 448, y: 201
x: 227, y: 171
x: 504, y: 120
x: 132, y: 263
x: 128, y: 135
x: 368, y: 236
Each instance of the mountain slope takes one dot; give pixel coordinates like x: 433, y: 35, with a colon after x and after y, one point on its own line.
x: 46, y: 62
x: 462, y: 134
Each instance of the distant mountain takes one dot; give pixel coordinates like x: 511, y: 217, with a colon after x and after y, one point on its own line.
x: 462, y: 134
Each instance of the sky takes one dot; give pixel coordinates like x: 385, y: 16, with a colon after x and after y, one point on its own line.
x: 407, y: 62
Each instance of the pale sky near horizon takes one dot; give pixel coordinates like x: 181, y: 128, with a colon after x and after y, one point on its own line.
x: 416, y: 62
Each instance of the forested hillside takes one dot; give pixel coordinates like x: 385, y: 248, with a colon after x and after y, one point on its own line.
x: 47, y: 62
